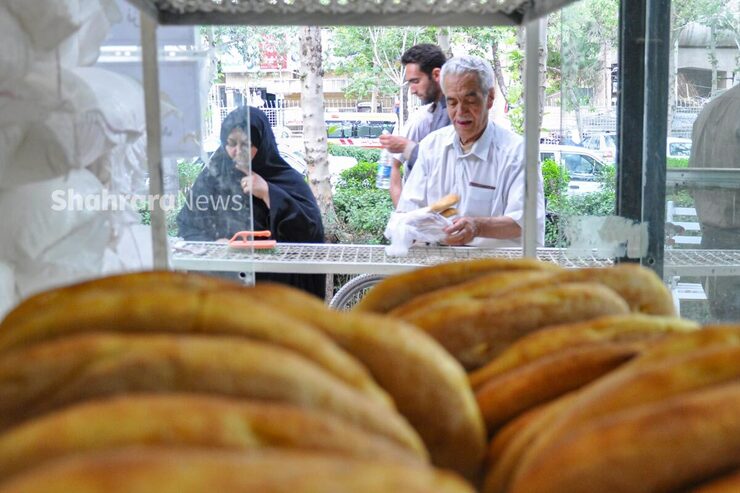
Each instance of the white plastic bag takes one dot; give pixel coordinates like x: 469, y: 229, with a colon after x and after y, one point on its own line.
x: 404, y: 228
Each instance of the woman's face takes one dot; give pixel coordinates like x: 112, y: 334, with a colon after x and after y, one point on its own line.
x: 236, y: 147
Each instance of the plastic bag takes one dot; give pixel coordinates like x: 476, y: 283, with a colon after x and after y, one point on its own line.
x: 422, y: 225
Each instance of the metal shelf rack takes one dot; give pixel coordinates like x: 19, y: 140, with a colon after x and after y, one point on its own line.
x: 644, y: 33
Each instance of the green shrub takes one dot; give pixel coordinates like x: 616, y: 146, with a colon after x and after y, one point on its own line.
x: 362, y: 208
x: 359, y: 153
x: 677, y: 162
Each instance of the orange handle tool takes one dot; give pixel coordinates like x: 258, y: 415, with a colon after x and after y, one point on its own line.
x: 245, y: 240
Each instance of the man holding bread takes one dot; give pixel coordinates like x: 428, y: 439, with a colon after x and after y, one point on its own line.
x: 475, y: 159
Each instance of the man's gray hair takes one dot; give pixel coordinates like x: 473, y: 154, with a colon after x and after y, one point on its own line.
x: 469, y: 64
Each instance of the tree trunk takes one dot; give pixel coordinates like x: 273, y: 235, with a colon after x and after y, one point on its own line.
x: 672, y: 80
x: 443, y: 40
x: 713, y: 58
x: 542, y: 71
x: 314, y: 125
x: 497, y: 71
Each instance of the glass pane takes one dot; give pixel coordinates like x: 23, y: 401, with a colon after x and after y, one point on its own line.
x: 703, y: 159
x: 581, y: 106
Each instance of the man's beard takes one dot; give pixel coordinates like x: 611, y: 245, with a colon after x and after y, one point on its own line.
x: 431, y: 95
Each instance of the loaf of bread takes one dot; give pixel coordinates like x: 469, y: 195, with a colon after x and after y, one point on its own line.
x: 634, y: 385
x: 615, y: 328
x: 510, y: 444
x: 485, y: 286
x: 507, y: 395
x: 475, y: 331
x: 162, y: 470
x: 204, y: 307
x: 398, y: 289
x: 186, y: 420
x: 643, y: 290
x: 429, y: 387
x: 46, y: 376
x: 660, y: 446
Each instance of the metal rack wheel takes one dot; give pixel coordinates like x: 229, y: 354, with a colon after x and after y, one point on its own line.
x: 352, y: 292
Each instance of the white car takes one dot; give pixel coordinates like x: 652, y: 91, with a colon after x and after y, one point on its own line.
x: 604, y: 145
x: 297, y: 160
x: 583, y: 165
x: 678, y: 148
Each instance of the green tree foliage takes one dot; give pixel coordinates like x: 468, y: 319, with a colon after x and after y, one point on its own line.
x: 247, y: 41
x: 370, y: 56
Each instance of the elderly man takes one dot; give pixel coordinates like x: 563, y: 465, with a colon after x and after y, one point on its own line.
x: 478, y: 160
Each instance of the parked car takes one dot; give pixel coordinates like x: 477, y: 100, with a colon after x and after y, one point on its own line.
x: 584, y: 166
x: 678, y: 147
x: 605, y: 146
x: 295, y: 157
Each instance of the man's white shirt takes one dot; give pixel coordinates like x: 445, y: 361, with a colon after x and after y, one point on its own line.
x: 489, y: 178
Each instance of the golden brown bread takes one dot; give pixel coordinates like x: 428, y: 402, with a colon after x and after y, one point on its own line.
x: 444, y: 203
x: 475, y: 331
x: 131, y: 281
x: 186, y: 420
x: 449, y: 212
x: 640, y: 287
x: 512, y: 441
x: 158, y: 470
x: 613, y: 328
x: 429, y: 387
x: 509, y: 394
x: 710, y: 335
x: 729, y: 483
x: 47, y: 376
x: 398, y: 289
x: 134, y: 305
x: 635, y: 385
x: 484, y: 286
x: 661, y: 446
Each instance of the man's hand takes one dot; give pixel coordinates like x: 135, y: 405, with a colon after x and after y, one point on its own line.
x: 462, y: 231
x: 394, y: 143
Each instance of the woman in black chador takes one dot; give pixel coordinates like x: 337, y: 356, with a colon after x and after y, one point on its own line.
x: 282, y: 202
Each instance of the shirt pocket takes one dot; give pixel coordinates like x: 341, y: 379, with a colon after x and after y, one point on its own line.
x: 480, y: 202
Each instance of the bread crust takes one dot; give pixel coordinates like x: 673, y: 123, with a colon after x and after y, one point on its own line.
x: 46, y: 376
x: 186, y: 420
x: 212, y: 308
x: 612, y: 328
x: 398, y: 289
x: 147, y: 469
x: 636, y: 385
x: 476, y: 331
x: 429, y: 387
x: 511, y: 442
x: 729, y: 483
x: 660, y: 446
x: 484, y: 286
x: 507, y: 395
x: 639, y: 286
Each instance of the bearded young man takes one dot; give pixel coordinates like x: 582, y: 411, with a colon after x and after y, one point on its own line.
x: 422, y: 63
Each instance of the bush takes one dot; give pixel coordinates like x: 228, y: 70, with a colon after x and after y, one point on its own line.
x: 367, y: 155
x: 560, y: 206
x: 362, y: 208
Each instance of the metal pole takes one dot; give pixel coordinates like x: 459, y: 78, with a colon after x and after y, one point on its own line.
x: 657, y: 53
x: 154, y: 140
x: 531, y: 136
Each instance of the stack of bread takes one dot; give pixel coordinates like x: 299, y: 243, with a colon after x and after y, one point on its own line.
x: 163, y: 382
x: 585, y: 378
x: 580, y: 380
